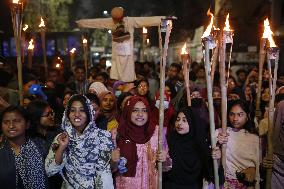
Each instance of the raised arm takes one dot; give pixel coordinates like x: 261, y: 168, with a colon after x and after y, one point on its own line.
x: 99, y: 23
x: 139, y: 22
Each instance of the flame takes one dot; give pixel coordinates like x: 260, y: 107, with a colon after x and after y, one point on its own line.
x: 41, y: 23
x: 148, y: 41
x: 145, y: 30
x: 57, y: 65
x: 267, y: 33
x: 73, y: 50
x: 31, y: 45
x: 209, y: 27
x: 26, y: 27
x: 227, y: 24
x: 183, y: 49
x: 16, y: 2
x: 85, y: 41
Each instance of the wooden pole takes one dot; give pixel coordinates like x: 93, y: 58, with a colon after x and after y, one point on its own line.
x: 273, y: 56
x: 163, y: 62
x: 262, y: 53
x: 211, y: 107
x: 17, y: 15
x: 30, y: 58
x: 42, y: 34
x: 223, y: 86
x: 85, y: 49
x: 185, y: 64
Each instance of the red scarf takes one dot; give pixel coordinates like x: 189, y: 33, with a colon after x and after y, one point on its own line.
x: 129, y: 134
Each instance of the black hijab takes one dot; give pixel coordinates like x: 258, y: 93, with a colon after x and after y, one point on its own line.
x: 190, y: 153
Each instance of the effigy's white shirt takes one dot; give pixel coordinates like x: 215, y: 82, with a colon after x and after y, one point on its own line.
x: 122, y: 53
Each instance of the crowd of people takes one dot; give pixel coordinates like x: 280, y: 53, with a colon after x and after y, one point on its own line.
x: 81, y: 129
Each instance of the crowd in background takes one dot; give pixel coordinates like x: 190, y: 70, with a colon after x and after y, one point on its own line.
x: 79, y: 129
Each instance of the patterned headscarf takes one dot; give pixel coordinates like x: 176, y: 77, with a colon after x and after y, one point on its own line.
x: 87, y: 153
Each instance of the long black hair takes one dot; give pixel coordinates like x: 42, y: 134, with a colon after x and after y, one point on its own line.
x: 35, y: 110
x: 249, y: 125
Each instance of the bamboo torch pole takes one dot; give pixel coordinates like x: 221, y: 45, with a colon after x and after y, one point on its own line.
x: 262, y: 54
x: 17, y: 9
x: 167, y: 24
x: 273, y: 57
x: 185, y: 58
x: 208, y: 44
x: 225, y: 37
x: 42, y: 35
x: 85, y: 54
x: 72, y: 57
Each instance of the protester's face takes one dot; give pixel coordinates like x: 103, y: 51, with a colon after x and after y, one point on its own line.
x: 26, y: 102
x: 47, y: 118
x: 78, y: 116
x: 242, y: 76
x: 173, y: 72
x: 248, y: 93
x: 195, y: 94
x: 80, y: 75
x: 181, y: 124
x: 107, y: 102
x: 53, y: 76
x: 65, y: 100
x: 265, y: 95
x: 142, y: 88
x: 139, y: 115
x: 14, y: 125
x: 231, y: 84
x: 168, y: 90
x: 200, y: 73
x: 101, y: 79
x: 216, y: 95
x: 233, y: 96
x: 238, y: 117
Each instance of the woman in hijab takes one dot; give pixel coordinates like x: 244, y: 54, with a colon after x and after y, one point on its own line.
x: 190, y: 153
x: 138, y: 137
x: 21, y: 163
x: 82, y: 153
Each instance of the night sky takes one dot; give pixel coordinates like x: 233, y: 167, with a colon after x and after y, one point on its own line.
x: 5, y: 23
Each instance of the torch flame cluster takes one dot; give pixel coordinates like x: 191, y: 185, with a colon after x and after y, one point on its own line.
x: 16, y: 2
x: 208, y: 30
x: 26, y: 27
x: 183, y: 50
x: 31, y: 45
x: 41, y: 23
x: 73, y: 50
x: 85, y: 41
x: 267, y: 33
x: 145, y: 30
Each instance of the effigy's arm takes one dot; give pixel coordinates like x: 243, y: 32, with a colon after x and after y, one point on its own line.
x: 99, y: 23
x: 139, y: 22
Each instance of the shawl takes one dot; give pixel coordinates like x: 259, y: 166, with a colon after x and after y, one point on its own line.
x: 189, y: 152
x: 129, y: 134
x: 86, y: 153
x: 97, y: 87
x: 26, y: 169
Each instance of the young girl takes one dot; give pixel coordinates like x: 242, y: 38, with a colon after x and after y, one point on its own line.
x: 190, y: 153
x: 138, y: 142
x: 21, y: 163
x: 82, y: 153
x: 242, y: 151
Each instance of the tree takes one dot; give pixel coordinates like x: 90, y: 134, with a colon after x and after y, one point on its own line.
x: 56, y: 13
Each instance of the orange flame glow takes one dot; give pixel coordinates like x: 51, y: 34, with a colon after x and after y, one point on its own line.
x: 26, y: 27
x: 41, y: 23
x: 183, y: 50
x: 227, y: 24
x: 267, y: 33
x: 145, y: 30
x: 85, y: 41
x: 72, y: 51
x: 31, y: 45
x: 209, y: 27
x: 57, y: 65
